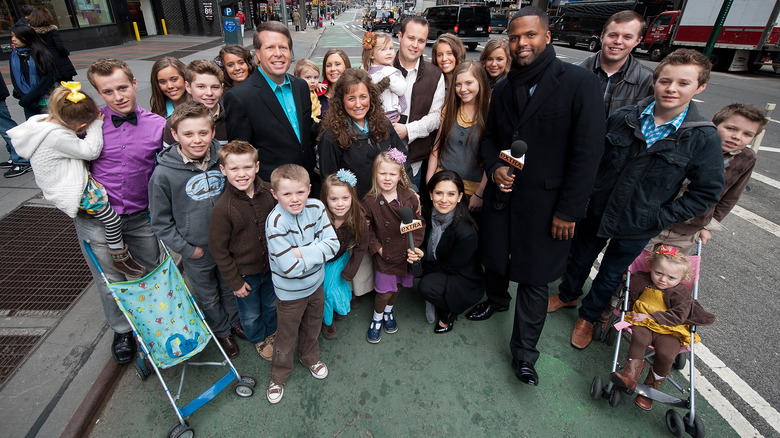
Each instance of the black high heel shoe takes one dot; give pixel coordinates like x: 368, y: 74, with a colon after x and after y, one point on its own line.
x: 439, y: 329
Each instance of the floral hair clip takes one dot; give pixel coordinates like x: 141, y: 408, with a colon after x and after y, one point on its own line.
x: 668, y: 250
x: 369, y: 39
x: 347, y: 176
x: 396, y: 155
x: 75, y: 94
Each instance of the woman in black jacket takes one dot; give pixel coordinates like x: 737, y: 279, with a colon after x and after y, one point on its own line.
x: 452, y: 276
x: 42, y: 21
x: 32, y: 70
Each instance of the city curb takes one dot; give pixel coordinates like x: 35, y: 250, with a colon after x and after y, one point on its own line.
x: 316, y: 43
x: 89, y: 410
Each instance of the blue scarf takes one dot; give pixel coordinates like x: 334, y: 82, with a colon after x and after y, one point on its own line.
x: 16, y: 69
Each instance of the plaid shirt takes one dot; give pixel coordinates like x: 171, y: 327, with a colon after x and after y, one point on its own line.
x: 653, y: 132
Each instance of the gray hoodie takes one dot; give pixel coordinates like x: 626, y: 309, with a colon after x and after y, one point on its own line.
x: 181, y: 197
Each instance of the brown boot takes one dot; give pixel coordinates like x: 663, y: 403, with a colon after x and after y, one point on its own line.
x: 631, y: 373
x: 329, y: 331
x: 642, y: 401
x: 123, y: 262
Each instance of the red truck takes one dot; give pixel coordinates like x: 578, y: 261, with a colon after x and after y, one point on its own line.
x: 750, y: 37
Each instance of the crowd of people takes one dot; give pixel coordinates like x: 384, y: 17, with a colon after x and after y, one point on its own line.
x: 292, y: 196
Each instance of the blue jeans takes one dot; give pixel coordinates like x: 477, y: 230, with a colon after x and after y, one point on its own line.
x: 6, y: 124
x: 257, y: 311
x: 584, y: 250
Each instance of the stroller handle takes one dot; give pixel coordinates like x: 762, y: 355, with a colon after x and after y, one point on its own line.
x: 91, y: 254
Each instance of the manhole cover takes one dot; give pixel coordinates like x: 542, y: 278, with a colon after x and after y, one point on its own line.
x: 42, y: 269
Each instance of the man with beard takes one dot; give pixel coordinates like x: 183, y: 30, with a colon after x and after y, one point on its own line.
x: 557, y: 109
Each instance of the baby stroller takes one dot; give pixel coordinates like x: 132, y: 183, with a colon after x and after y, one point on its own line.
x: 621, y: 330
x: 170, y: 329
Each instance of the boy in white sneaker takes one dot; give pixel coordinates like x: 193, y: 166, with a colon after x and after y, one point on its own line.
x: 300, y: 240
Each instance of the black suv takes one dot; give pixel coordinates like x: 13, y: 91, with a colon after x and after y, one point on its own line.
x: 381, y: 19
x: 470, y: 23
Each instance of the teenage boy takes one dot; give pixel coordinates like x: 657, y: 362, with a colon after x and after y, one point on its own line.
x: 737, y: 124
x: 624, y: 80
x: 132, y: 137
x: 237, y: 243
x: 300, y: 240
x: 650, y: 149
x: 184, y: 187
x: 204, y: 84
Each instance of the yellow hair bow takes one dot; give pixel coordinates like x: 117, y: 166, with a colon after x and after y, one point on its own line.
x: 75, y: 94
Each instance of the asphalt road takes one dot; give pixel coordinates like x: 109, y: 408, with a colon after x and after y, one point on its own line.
x: 739, y: 266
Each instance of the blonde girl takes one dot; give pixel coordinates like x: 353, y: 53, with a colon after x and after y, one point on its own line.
x: 464, y: 115
x: 662, y: 311
x: 343, y: 209
x: 389, y: 194
x: 495, y: 58
x: 168, y: 92
x: 378, y: 57
x: 59, y: 159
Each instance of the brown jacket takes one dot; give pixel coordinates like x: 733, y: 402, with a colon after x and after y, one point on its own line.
x: 737, y: 174
x: 420, y: 105
x: 384, y: 231
x: 237, y: 232
x: 680, y: 305
x: 346, y: 235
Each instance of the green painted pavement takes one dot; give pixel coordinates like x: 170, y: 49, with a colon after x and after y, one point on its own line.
x: 412, y: 383
x: 340, y: 37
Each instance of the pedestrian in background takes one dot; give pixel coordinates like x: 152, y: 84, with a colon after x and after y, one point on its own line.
x: 41, y: 20
x: 32, y: 70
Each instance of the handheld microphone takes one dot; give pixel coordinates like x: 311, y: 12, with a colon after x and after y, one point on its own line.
x: 409, y: 224
x: 515, y: 157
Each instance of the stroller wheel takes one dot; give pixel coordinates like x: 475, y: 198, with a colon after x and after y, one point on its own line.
x: 614, y: 397
x: 697, y: 430
x: 140, y: 370
x: 178, y: 429
x: 680, y: 361
x: 244, y: 390
x: 674, y: 423
x: 596, y: 388
x: 249, y: 380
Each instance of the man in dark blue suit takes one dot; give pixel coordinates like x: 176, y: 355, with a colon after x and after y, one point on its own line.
x: 557, y: 109
x: 271, y: 109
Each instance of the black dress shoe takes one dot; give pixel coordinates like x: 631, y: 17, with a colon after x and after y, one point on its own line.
x: 525, y: 372
x: 439, y: 329
x: 123, y: 348
x: 229, y: 345
x: 484, y: 310
x: 238, y: 332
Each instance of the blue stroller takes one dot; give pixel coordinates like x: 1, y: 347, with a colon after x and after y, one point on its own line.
x: 170, y: 329
x: 621, y: 329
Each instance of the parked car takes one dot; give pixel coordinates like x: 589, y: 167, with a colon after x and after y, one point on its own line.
x: 381, y: 19
x: 498, y: 23
x: 397, y: 25
x: 469, y: 22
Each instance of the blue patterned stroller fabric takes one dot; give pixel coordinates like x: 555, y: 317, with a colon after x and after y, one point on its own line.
x: 159, y: 307
x: 337, y: 291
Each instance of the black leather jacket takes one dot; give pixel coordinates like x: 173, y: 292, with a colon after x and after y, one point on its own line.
x: 637, y: 82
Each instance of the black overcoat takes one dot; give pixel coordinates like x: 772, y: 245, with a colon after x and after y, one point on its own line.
x: 254, y: 114
x: 563, y: 124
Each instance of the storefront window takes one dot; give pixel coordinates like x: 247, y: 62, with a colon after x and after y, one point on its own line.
x: 58, y: 9
x: 7, y: 18
x: 92, y: 12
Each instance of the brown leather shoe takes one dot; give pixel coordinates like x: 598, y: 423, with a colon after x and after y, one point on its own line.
x: 582, y: 334
x: 238, y: 332
x: 644, y: 402
x: 555, y: 303
x: 229, y: 345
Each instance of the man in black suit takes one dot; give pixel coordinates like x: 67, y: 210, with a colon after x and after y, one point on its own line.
x: 557, y: 109
x: 271, y: 109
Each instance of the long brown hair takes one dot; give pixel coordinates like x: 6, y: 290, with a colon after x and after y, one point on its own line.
x: 355, y: 218
x: 339, y: 122
x: 342, y: 54
x: 157, y: 101
x: 453, y: 102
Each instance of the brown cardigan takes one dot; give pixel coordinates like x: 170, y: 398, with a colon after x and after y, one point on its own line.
x: 237, y: 232
x: 346, y: 235
x: 384, y: 231
x: 680, y: 305
x: 737, y: 174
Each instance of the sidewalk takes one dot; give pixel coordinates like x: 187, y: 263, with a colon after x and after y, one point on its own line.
x: 62, y: 383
